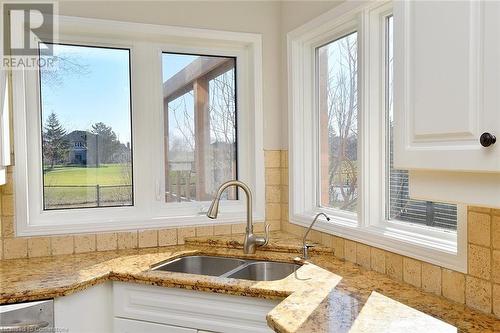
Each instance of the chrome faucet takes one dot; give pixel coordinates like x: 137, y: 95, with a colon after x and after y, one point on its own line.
x: 251, y: 240
x: 305, y: 246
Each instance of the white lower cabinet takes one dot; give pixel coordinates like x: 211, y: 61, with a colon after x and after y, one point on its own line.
x: 135, y: 308
x: 141, y: 308
x: 86, y: 311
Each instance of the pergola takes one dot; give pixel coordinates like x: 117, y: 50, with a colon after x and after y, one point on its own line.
x: 195, y: 77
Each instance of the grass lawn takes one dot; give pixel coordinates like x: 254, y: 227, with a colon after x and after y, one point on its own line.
x: 71, y: 195
x: 110, y: 174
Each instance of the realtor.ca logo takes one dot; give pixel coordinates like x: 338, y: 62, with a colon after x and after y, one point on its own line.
x: 28, y: 29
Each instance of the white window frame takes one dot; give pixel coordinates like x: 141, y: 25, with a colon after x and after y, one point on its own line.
x: 5, y: 116
x: 146, y: 43
x: 369, y: 226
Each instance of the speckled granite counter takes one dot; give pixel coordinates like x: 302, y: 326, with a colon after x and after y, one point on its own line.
x: 326, y: 295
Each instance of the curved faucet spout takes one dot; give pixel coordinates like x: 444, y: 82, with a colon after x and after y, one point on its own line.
x: 213, y: 211
x: 251, y: 241
x: 305, y: 246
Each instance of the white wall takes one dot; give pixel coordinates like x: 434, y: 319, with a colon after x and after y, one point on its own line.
x: 242, y: 16
x: 293, y: 15
x: 272, y: 19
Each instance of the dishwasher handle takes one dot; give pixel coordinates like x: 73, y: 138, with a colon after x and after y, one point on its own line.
x: 23, y: 327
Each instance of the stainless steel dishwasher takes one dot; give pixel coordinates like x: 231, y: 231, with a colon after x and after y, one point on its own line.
x: 27, y: 317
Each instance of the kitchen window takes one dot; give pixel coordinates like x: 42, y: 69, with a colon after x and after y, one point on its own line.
x: 338, y: 120
x: 340, y: 72
x: 127, y: 133
x: 86, y: 127
x: 200, y: 126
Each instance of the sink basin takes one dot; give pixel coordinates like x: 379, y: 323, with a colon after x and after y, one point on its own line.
x: 265, y: 271
x: 202, y: 265
x: 235, y: 268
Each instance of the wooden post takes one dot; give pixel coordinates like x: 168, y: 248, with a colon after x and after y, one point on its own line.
x: 195, y: 76
x: 323, y: 123
x: 202, y: 135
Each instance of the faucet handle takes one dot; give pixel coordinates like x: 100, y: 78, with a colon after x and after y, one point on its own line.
x: 267, y: 230
x: 262, y: 241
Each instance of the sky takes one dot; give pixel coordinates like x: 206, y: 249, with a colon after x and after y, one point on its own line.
x: 178, y: 127
x: 99, y: 91
x: 338, y: 68
x: 171, y: 64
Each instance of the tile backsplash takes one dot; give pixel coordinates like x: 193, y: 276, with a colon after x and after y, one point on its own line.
x: 12, y: 247
x: 479, y: 288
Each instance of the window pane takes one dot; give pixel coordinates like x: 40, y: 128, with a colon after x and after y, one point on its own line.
x: 399, y: 205
x: 338, y: 108
x: 199, y: 94
x: 86, y: 130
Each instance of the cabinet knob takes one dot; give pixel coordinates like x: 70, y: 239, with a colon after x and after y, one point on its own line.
x: 487, y: 139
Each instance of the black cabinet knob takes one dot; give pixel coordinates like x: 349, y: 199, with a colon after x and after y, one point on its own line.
x: 487, y: 139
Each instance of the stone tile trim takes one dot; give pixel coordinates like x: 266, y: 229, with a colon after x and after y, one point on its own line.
x: 12, y: 247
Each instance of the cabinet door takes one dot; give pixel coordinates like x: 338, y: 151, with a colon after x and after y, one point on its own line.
x: 136, y: 326
x: 446, y: 85
x: 190, y: 308
x: 87, y: 311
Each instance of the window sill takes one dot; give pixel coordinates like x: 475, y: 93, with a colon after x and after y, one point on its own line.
x: 442, y: 248
x: 135, y: 223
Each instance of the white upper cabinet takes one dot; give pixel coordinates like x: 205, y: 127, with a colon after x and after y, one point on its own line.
x: 447, y: 85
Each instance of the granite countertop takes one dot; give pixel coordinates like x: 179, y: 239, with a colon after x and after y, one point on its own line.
x: 324, y: 295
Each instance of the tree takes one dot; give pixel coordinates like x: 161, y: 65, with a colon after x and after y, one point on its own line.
x: 107, y: 143
x: 63, y: 66
x: 222, y: 113
x: 339, y: 105
x: 55, y: 144
x: 222, y: 108
x: 343, y: 109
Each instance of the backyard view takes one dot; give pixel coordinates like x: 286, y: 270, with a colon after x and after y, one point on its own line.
x: 86, y: 130
x: 338, y: 104
x: 200, y: 126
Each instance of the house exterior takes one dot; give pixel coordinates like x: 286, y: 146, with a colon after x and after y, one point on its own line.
x: 83, y: 150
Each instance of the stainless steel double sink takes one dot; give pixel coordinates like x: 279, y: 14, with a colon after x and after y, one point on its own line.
x: 255, y: 270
